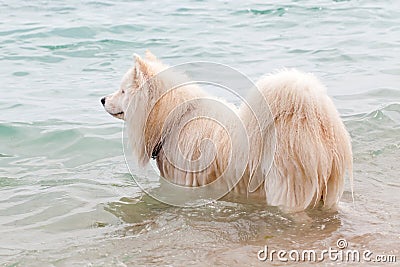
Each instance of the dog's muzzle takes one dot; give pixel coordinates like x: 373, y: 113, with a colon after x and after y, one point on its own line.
x: 119, y: 115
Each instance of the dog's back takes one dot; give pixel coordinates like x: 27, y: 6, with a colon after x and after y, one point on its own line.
x: 313, y: 148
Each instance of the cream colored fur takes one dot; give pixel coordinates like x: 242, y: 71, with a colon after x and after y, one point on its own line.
x: 313, y: 148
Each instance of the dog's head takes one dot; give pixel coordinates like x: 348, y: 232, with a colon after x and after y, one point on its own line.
x: 117, y: 103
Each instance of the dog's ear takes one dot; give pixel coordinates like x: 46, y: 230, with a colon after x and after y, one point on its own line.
x: 150, y: 56
x: 143, y: 71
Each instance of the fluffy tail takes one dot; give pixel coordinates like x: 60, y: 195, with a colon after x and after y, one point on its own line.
x: 313, y: 148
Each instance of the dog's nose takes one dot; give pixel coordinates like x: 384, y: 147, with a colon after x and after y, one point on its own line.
x: 103, y: 101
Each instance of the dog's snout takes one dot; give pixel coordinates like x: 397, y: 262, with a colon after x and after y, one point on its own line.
x: 103, y: 101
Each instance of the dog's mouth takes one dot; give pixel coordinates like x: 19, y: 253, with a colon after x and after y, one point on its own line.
x: 119, y: 115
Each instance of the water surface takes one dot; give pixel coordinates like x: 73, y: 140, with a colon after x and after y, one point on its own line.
x: 66, y: 196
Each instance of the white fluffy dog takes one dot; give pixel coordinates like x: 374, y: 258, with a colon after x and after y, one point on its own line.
x: 311, y: 154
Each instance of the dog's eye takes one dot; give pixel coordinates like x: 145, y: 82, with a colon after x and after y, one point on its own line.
x: 123, y: 91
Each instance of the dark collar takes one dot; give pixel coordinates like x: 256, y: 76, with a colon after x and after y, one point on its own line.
x: 156, y: 150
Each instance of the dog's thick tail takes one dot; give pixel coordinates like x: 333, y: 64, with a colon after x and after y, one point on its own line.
x: 313, y: 148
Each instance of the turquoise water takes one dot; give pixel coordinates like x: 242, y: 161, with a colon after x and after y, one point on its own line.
x: 66, y: 196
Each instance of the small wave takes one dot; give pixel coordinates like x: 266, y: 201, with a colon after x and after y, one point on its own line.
x: 17, y: 31
x: 275, y: 11
x: 388, y: 115
x: 386, y: 93
x: 74, y: 144
x: 76, y: 49
x: 75, y: 32
x: 375, y: 135
x: 44, y: 59
x: 100, y: 4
